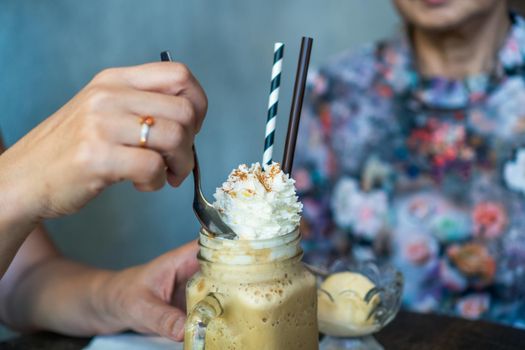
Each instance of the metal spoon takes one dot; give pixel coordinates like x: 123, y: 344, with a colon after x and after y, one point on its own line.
x: 205, y: 212
x: 207, y: 215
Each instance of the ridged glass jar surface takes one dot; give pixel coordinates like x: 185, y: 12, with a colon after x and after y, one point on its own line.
x: 251, y: 295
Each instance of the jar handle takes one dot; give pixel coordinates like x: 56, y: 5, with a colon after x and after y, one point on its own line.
x: 198, y: 320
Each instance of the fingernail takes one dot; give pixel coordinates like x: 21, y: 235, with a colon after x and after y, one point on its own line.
x: 178, y: 328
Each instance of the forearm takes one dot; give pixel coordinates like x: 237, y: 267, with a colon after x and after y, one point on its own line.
x: 44, y: 291
x: 17, y: 217
x: 12, y: 235
x: 63, y: 296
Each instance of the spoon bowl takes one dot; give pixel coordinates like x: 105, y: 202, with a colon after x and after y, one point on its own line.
x: 206, y: 213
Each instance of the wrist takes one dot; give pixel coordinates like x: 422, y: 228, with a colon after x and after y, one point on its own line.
x: 106, y: 300
x: 18, y: 202
x: 17, y: 216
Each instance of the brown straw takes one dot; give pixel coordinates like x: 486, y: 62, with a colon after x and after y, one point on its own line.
x: 297, y: 104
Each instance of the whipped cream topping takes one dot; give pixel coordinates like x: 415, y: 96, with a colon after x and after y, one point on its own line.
x: 258, y: 203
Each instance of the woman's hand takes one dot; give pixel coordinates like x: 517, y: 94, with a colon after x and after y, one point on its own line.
x: 45, y: 291
x: 150, y: 298
x: 93, y: 141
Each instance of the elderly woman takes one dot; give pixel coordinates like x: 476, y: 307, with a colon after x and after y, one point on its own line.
x: 413, y: 152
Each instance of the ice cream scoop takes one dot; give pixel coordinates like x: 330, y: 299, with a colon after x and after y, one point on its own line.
x: 343, y: 308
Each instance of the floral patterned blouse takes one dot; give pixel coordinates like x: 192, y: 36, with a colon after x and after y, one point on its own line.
x: 425, y: 173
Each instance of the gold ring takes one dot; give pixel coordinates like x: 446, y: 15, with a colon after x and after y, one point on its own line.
x: 146, y: 123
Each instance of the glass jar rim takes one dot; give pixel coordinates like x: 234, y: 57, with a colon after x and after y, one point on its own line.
x: 245, y: 252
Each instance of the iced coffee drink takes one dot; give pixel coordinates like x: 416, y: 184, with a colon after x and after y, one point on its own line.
x: 253, y: 292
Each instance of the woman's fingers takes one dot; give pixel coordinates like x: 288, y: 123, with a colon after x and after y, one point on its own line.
x: 167, y: 91
x: 165, y: 136
x: 180, y: 164
x: 117, y: 111
x: 160, y: 318
x: 169, y: 138
x: 169, y: 78
x: 144, y: 167
x: 144, y: 103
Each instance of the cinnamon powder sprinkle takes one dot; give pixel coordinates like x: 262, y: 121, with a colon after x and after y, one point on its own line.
x: 241, y: 175
x: 263, y: 180
x: 274, y: 171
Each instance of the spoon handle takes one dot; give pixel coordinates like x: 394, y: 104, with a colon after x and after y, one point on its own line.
x: 196, y: 174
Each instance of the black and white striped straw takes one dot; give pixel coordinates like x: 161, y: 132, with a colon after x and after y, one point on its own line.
x: 269, y: 136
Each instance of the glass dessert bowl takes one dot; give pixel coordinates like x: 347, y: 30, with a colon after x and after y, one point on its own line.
x: 356, y: 300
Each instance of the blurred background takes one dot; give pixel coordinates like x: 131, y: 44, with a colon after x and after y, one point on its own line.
x: 50, y: 49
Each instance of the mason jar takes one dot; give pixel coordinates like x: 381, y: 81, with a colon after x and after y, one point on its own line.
x: 251, y: 295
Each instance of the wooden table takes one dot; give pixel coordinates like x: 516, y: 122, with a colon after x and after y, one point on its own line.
x: 409, y: 331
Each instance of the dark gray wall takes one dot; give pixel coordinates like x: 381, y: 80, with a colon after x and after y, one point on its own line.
x: 50, y: 49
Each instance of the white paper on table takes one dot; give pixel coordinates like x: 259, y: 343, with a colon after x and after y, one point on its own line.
x: 132, y: 342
